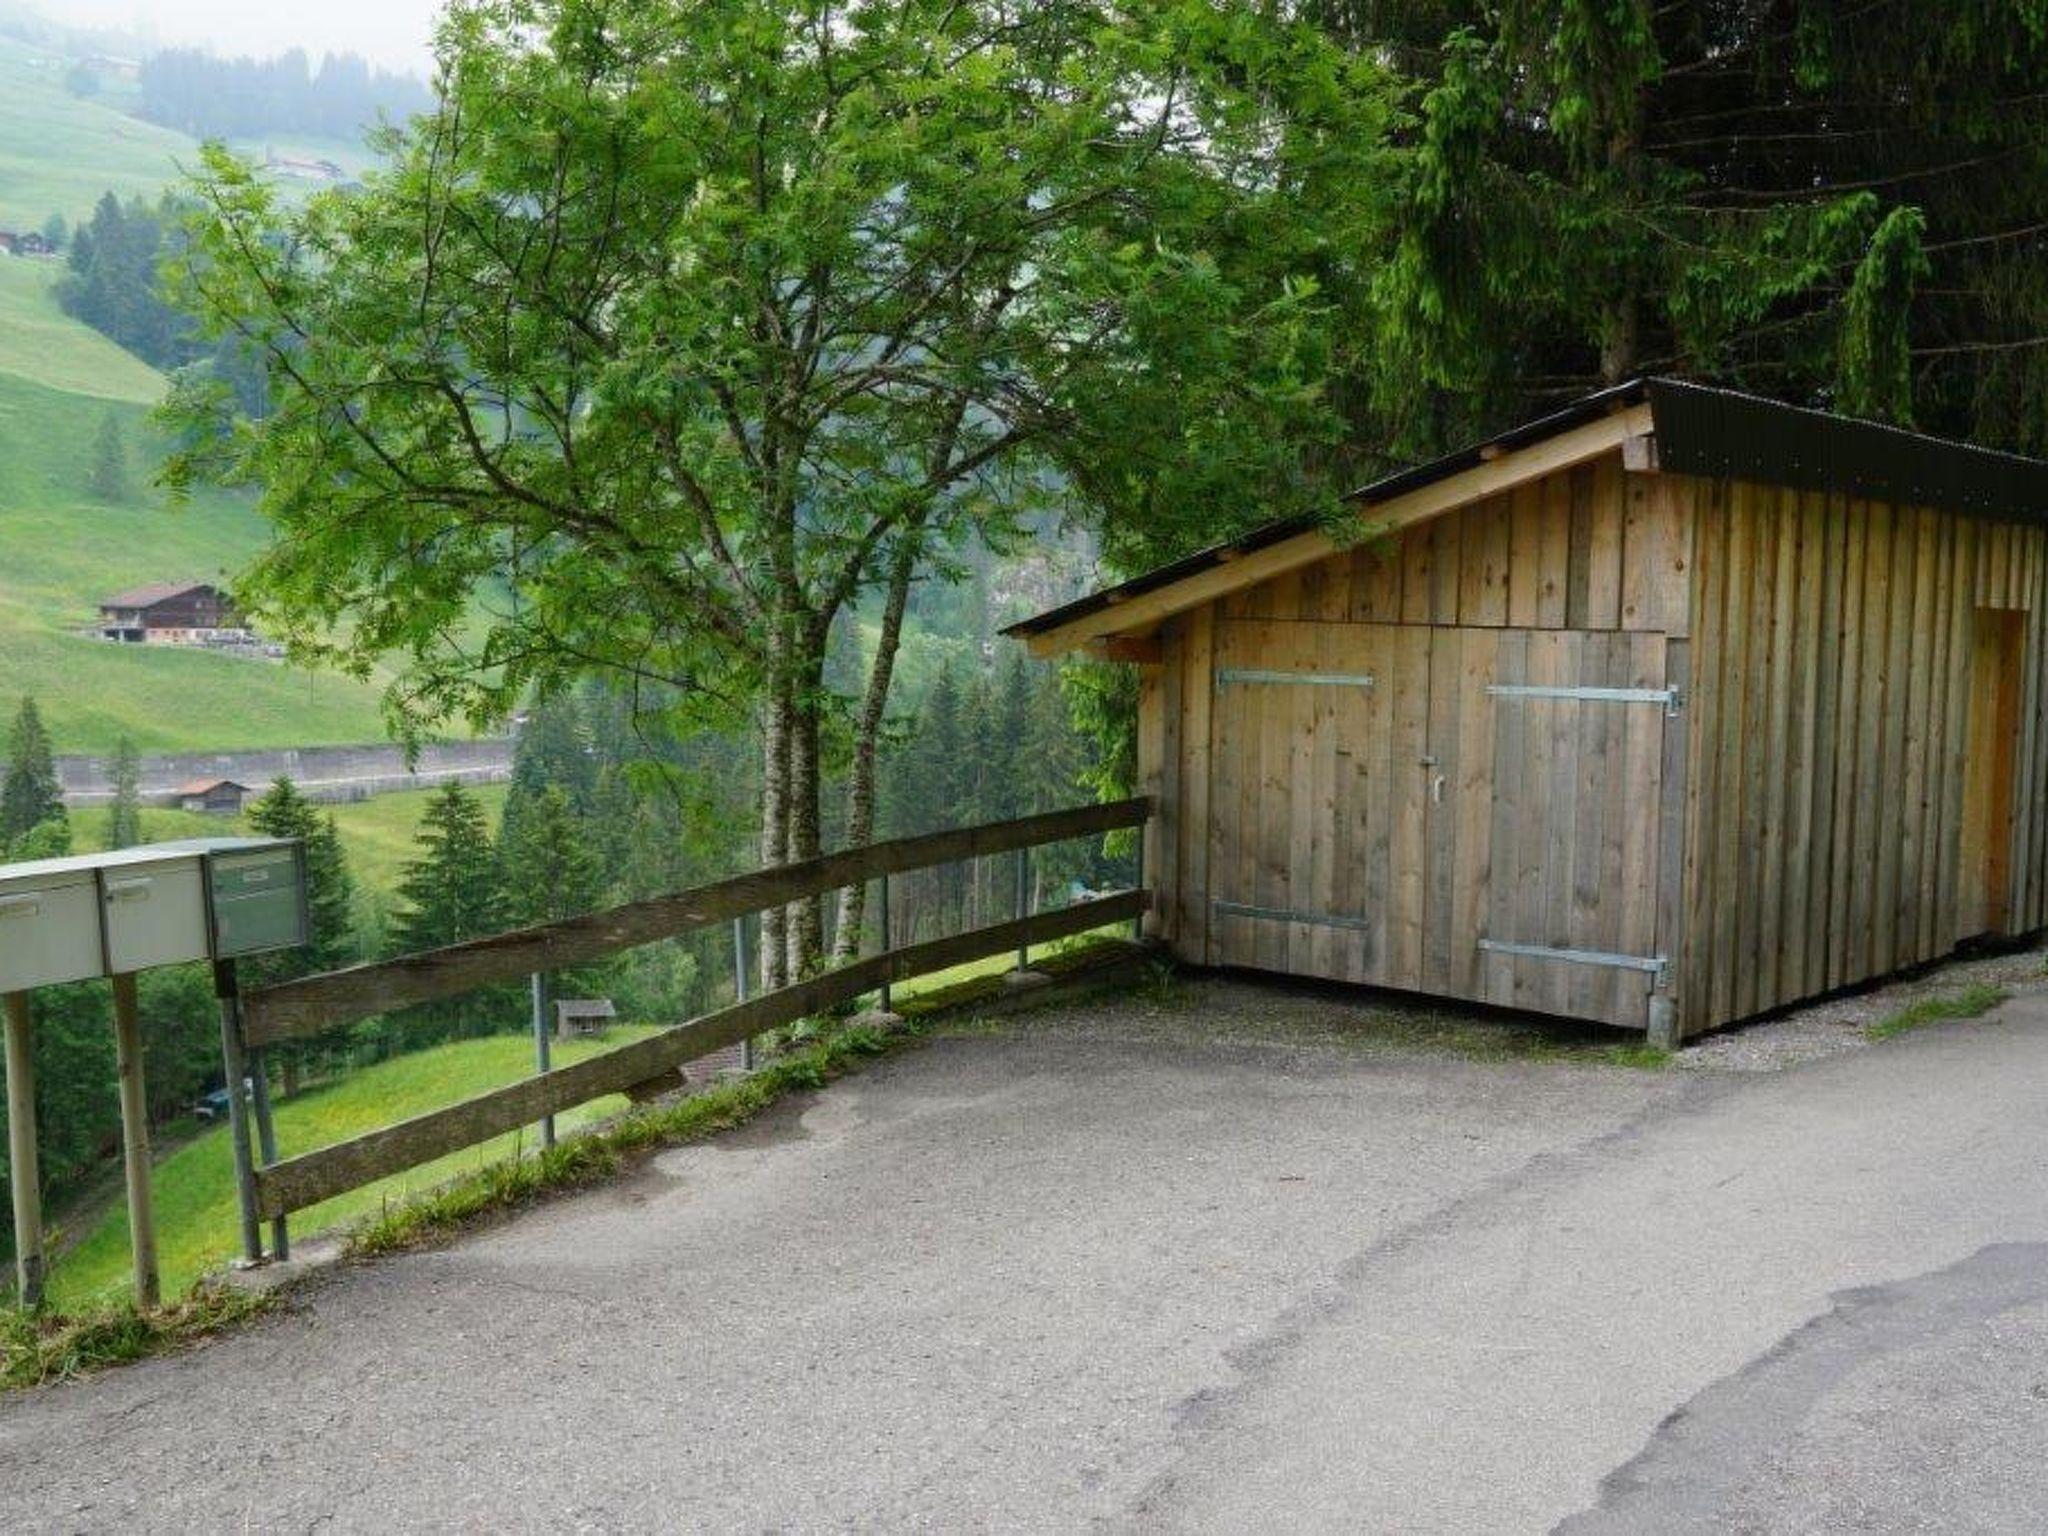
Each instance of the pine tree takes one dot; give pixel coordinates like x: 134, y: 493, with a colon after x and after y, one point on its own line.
x: 124, y: 815
x: 30, y: 794
x: 547, y: 869
x: 451, y: 889
x: 108, y: 478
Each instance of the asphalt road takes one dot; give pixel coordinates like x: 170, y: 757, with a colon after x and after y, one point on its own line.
x: 1128, y: 1270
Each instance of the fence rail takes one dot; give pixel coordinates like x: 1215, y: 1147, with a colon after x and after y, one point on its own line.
x: 316, y: 1003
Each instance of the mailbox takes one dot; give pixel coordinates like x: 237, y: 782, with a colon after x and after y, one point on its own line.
x: 256, y: 897
x: 111, y: 914
x: 153, y: 908
x: 49, y: 924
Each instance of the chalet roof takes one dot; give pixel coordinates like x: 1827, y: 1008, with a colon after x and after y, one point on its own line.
x: 1698, y: 430
x: 150, y: 593
x: 208, y: 786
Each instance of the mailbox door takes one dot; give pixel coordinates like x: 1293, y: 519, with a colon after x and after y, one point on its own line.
x: 155, y: 914
x: 49, y: 931
x: 259, y: 901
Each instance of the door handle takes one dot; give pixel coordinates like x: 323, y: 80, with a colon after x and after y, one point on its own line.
x: 1436, y: 790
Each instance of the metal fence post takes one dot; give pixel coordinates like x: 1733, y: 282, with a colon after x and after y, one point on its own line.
x: 135, y: 1139
x: 541, y: 1052
x: 739, y: 984
x: 883, y: 906
x: 266, y: 1143
x: 22, y: 1173
x: 228, y: 990
x: 1023, y: 903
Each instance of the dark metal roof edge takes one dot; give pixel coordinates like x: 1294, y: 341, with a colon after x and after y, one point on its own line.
x: 1698, y: 427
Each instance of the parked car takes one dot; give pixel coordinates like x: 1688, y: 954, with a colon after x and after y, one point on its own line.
x: 214, y: 1106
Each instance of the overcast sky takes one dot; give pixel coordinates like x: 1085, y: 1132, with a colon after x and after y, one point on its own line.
x: 394, y: 33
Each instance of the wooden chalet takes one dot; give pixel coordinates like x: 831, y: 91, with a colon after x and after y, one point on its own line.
x: 168, y: 613
x: 217, y: 797
x: 1667, y: 710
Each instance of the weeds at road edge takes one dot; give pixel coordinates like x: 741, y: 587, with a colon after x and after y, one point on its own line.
x: 37, y: 1347
x: 1966, y: 1004
x: 437, y: 1214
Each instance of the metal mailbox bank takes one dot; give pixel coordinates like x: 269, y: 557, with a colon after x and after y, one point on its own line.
x: 112, y: 915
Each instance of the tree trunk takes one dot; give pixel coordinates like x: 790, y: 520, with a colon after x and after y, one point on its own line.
x: 775, y: 744
x: 860, y: 777
x: 805, y: 937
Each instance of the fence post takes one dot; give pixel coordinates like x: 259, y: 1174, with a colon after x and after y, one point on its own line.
x: 266, y: 1142
x: 1138, y: 883
x: 739, y: 983
x: 541, y: 1051
x: 1023, y: 903
x: 883, y: 907
x: 135, y: 1139
x: 227, y: 988
x: 22, y: 1171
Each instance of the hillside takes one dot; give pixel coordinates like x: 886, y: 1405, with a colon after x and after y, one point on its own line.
x: 61, y: 549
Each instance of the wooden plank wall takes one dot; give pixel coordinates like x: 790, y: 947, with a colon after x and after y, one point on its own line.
x: 1829, y: 729
x: 1592, y: 547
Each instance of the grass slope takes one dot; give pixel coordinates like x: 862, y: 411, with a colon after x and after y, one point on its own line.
x: 63, y: 550
x: 59, y: 152
x: 194, y: 1185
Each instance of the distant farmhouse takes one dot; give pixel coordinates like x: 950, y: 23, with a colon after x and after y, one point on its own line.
x: 301, y: 168
x: 27, y: 242
x: 219, y: 797
x: 172, y: 613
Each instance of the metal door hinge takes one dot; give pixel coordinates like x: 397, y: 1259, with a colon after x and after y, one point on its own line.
x: 1653, y: 964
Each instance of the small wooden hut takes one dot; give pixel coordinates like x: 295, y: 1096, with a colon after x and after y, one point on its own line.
x: 1666, y: 710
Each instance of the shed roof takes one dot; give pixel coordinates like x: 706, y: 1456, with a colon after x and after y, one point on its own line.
x: 150, y: 593
x: 1700, y: 430
x: 208, y: 786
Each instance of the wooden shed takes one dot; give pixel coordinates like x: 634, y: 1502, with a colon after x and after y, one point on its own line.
x: 1666, y: 710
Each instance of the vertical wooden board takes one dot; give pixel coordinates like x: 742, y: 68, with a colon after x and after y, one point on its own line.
x: 1869, y: 896
x: 1889, y: 952
x: 1759, y: 510
x: 1911, y: 784
x: 1405, y: 823
x: 1446, y: 650
x: 1731, y: 660
x: 1446, y: 563
x: 1554, y: 550
x: 1376, y: 580
x: 1767, y: 772
x: 1306, y: 717
x: 1696, y: 904
x: 1804, y: 529
x: 1955, y: 687
x: 1473, y: 808
x: 1222, y: 839
x: 1843, y: 872
x: 1578, y: 580
x: 1934, y: 732
x: 1505, y: 768
x: 1604, y: 556
x: 1821, y: 892
x: 1483, y: 563
x: 1159, y: 709
x: 1560, y: 660
x: 1655, y: 580
x: 1629, y: 795
x: 1331, y: 655
x: 1668, y: 934
x: 1366, y: 879
x: 2027, y: 859
x: 1275, y: 818
x: 1418, y: 580
x: 1585, y: 988
x: 1525, y: 552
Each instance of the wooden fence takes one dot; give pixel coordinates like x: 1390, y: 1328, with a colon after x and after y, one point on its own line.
x: 314, y: 1004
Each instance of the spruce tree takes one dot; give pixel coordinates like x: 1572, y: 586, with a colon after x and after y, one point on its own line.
x: 547, y: 868
x: 108, y: 478
x: 30, y: 794
x: 124, y: 815
x: 451, y: 889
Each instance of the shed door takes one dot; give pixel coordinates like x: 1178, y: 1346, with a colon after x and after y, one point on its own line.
x: 1471, y: 812
x: 1543, y: 845
x: 1317, y: 799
